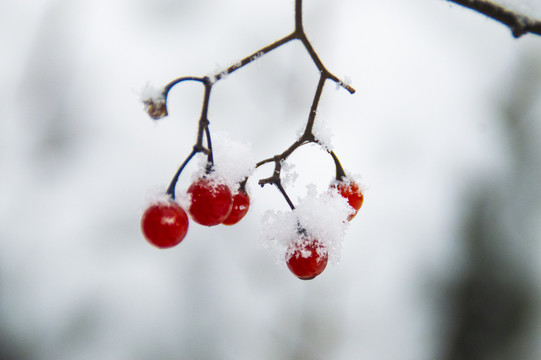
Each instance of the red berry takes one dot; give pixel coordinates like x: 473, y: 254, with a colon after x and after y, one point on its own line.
x: 241, y: 204
x: 164, y: 224
x: 211, y: 202
x: 307, y: 258
x: 351, y: 191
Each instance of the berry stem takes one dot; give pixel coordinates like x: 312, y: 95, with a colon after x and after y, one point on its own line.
x: 171, y: 189
x: 276, y: 180
x: 169, y: 86
x: 203, y: 119
x: 340, y: 173
x: 210, y: 157
x: 242, y: 185
x: 278, y: 184
x: 203, y: 127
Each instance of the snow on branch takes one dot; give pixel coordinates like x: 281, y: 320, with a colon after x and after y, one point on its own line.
x: 518, y: 23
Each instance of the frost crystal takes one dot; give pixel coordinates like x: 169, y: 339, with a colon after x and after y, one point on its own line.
x: 223, y: 73
x: 352, y: 178
x: 289, y: 175
x: 257, y: 56
x: 343, y: 83
x: 322, y: 217
x: 323, y: 134
x: 156, y: 196
x: 149, y: 92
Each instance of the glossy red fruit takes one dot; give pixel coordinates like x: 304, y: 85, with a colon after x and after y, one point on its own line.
x: 164, y: 224
x: 241, y: 204
x: 211, y: 202
x: 307, y: 259
x: 351, y: 191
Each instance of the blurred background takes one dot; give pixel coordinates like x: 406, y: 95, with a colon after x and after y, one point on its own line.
x: 442, y: 261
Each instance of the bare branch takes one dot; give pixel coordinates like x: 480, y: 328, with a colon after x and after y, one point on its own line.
x: 248, y: 59
x: 156, y: 107
x: 518, y: 23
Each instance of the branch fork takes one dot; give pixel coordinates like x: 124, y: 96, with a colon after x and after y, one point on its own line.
x: 156, y: 107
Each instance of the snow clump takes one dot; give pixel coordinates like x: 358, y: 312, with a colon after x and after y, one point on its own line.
x: 149, y: 92
x: 321, y: 216
x: 323, y: 135
x: 288, y: 173
x: 233, y: 161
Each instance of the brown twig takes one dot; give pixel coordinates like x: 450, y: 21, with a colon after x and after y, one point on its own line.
x: 518, y: 23
x: 157, y: 108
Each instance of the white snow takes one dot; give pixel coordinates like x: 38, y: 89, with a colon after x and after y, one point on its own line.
x: 288, y: 173
x: 223, y: 71
x: 323, y: 217
x: 150, y: 93
x: 323, y: 133
x: 233, y: 160
x: 346, y: 81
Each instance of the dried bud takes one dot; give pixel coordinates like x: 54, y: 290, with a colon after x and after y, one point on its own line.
x: 156, y: 108
x: 154, y: 100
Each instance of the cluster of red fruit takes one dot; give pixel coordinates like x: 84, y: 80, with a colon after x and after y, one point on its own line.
x: 165, y: 224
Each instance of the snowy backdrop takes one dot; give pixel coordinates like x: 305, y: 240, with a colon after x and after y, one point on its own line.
x: 442, y: 261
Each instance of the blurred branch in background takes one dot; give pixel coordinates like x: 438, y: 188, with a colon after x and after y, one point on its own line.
x: 518, y: 23
x: 496, y: 302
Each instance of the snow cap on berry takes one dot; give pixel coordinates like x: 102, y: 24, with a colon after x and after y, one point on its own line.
x: 233, y: 161
x: 156, y: 196
x: 303, y: 245
x: 348, y: 180
x: 317, y: 217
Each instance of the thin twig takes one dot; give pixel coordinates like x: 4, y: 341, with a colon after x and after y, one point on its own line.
x: 171, y: 188
x: 248, y: 59
x: 340, y: 173
x: 308, y: 134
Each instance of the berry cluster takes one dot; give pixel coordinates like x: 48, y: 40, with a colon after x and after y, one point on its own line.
x: 212, y: 200
x: 165, y: 224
